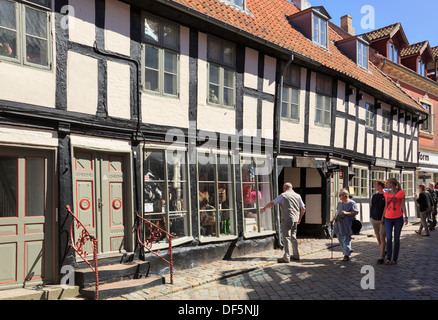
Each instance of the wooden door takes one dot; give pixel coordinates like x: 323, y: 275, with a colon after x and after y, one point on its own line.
x: 26, y: 216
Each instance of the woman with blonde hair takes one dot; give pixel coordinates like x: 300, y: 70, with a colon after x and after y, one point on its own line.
x: 395, y: 208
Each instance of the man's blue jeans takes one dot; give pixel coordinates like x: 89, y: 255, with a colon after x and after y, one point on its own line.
x: 345, y: 242
x: 396, y: 225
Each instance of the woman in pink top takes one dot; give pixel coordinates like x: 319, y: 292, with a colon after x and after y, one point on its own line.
x: 395, y: 208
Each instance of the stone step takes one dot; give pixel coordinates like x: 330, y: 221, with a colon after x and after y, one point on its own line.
x: 116, y: 289
x: 112, y: 273
x: 50, y: 292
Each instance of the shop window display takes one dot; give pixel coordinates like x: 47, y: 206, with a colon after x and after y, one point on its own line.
x: 166, y: 191
x: 216, y: 195
x: 256, y: 191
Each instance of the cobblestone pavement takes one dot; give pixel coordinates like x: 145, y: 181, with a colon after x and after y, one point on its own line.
x: 317, y: 276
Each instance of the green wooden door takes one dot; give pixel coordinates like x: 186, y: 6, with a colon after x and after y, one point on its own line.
x: 100, y: 187
x: 26, y: 216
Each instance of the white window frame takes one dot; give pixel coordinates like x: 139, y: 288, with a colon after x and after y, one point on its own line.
x: 222, y: 68
x: 162, y: 49
x: 360, y: 182
x: 370, y: 116
x: 407, y: 183
x: 292, y: 86
x: 21, y: 35
x: 362, y: 55
x: 319, y: 31
x: 324, y: 96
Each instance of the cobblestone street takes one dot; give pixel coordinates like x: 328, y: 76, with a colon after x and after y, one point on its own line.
x: 317, y: 276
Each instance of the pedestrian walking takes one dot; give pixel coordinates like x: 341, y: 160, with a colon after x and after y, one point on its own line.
x: 395, y: 208
x: 343, y: 220
x: 376, y: 213
x: 292, y: 210
x: 434, y: 193
x: 424, y: 201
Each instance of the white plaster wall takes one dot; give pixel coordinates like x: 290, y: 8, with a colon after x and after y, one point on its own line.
x: 82, y: 24
x: 351, y: 134
x: 23, y: 136
x: 318, y: 135
x: 249, y: 113
x: 415, y: 151
x: 379, y: 143
x: 401, y: 153
x: 251, y: 68
x: 313, y: 209
x: 119, y: 90
x: 313, y: 178
x: 394, y: 154
x: 267, y: 120
x: 82, y: 84
x: 370, y: 144
x: 386, y: 151
x: 352, y: 104
x: 341, y: 103
x: 117, y: 27
x: 361, y: 139
x: 210, y: 118
x: 170, y: 111
x: 269, y: 75
x: 293, y: 175
x: 100, y: 143
x: 291, y: 130
x: 340, y: 134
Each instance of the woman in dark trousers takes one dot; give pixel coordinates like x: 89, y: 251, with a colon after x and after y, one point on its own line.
x: 395, y: 208
x: 424, y: 201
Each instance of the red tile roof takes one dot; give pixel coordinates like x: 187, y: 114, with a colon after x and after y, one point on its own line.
x: 268, y: 21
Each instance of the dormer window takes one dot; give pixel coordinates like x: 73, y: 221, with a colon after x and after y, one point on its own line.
x: 393, y: 53
x: 319, y: 31
x: 362, y: 55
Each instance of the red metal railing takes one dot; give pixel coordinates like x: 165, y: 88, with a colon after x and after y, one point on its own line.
x: 156, y: 233
x: 79, y: 246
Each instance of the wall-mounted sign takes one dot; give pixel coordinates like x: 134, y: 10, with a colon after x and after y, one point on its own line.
x: 428, y: 158
x: 385, y: 163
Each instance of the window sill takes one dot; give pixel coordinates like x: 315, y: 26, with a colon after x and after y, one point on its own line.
x: 175, y: 242
x: 426, y: 134
x: 250, y: 235
x: 203, y: 239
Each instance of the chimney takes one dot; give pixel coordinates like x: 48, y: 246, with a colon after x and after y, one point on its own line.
x: 301, y: 4
x: 347, y: 24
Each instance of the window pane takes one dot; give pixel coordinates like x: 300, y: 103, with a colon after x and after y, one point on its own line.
x: 151, y: 30
x: 8, y: 43
x: 206, y: 171
x: 224, y: 168
x: 284, y: 110
x: 7, y: 14
x: 214, y: 49
x: 266, y: 218
x: 294, y: 112
x: 154, y: 197
x: 228, y: 97
x: 45, y: 3
x: 154, y: 166
x: 178, y: 196
x: 238, y: 3
x: 35, y: 187
x: 323, y: 34
x: 36, y: 51
x: 170, y: 37
x: 318, y: 116
x: 228, y: 78
x: 8, y: 187
x: 226, y: 195
x: 228, y: 54
x: 170, y: 62
x: 36, y: 23
x: 214, y: 74
x: 170, y: 85
x: 151, y: 82
x: 327, y: 118
x: 151, y: 57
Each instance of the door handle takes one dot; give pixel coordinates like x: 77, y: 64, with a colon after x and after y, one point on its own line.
x: 100, y: 203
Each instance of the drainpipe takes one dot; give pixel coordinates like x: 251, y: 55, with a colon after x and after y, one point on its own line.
x: 278, y: 144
